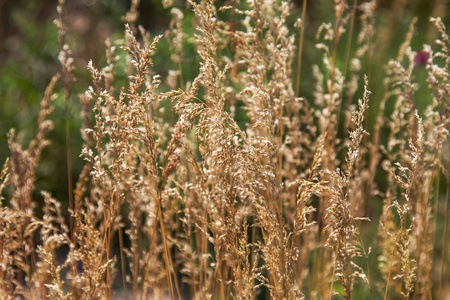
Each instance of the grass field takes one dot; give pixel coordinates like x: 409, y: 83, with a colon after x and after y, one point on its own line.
x: 252, y: 150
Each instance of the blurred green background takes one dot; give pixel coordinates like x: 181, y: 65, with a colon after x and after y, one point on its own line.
x: 29, y: 48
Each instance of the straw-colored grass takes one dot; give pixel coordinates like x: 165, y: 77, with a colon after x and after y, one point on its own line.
x: 251, y: 189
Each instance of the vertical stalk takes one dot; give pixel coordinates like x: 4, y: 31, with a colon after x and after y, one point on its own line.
x: 122, y: 262
x: 300, y: 50
x: 68, y: 147
x: 444, y: 238
x: 67, y: 92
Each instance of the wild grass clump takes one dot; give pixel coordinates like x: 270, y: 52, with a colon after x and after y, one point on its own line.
x: 242, y: 181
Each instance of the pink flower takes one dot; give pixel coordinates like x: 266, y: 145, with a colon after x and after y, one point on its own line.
x: 421, y: 58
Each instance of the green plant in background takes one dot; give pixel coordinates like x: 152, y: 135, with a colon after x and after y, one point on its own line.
x: 244, y: 153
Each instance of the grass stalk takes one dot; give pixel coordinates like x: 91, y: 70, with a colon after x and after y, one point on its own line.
x: 300, y: 50
x: 444, y: 240
x: 122, y: 264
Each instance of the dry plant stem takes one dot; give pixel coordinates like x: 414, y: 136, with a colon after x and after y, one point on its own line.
x: 106, y: 244
x: 350, y: 38
x: 300, y: 50
x: 166, y: 255
x: 333, y: 68
x: 389, y: 274
x: 135, y: 272
x: 121, y: 246
x: 221, y: 275
x: 169, y: 267
x: 152, y: 238
x: 437, y: 178
x: 347, y: 57
x: 275, y: 281
x: 67, y: 92
x: 122, y: 263
x: 108, y: 269
x: 110, y: 215
x: 330, y: 141
x: 68, y: 147
x: 204, y: 252
x: 444, y: 239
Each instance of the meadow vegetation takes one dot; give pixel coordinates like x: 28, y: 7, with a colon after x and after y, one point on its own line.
x: 263, y: 163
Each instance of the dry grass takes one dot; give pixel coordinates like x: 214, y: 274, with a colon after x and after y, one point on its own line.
x: 204, y: 207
